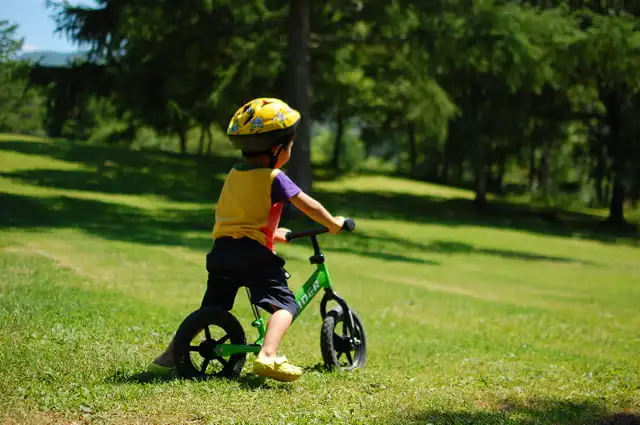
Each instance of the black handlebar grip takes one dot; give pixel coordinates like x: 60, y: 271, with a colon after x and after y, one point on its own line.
x: 349, y: 225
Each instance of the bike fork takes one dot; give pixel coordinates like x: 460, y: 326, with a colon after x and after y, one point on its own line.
x: 258, y: 323
x: 331, y: 295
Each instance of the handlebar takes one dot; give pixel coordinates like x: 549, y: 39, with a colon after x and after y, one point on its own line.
x: 349, y: 225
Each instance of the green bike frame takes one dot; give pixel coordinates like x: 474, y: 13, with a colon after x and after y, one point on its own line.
x: 319, y: 280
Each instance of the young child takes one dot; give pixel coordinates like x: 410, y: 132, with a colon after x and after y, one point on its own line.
x: 246, y: 228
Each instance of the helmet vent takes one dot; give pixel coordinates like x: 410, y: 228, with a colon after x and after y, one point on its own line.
x: 248, y: 114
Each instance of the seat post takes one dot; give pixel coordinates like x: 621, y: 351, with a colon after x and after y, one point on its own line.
x: 256, y: 312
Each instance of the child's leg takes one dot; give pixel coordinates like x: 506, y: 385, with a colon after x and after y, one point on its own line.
x: 166, y: 358
x: 220, y: 293
x: 268, y: 362
x: 275, y: 296
x: 277, y: 327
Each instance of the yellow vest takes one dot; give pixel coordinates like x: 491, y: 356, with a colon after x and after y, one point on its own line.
x: 245, y: 208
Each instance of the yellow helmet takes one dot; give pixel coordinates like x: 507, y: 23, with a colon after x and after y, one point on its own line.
x: 262, y: 123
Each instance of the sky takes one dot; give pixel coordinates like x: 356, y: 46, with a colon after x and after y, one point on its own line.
x: 36, y: 25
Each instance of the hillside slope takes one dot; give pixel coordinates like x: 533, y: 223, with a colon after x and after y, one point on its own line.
x: 510, y: 316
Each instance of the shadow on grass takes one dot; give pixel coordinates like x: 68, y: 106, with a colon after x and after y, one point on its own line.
x: 385, y: 256
x: 197, y: 179
x: 191, y: 228
x: 531, y: 412
x: 386, y: 246
x: 123, y: 171
x: 246, y: 381
x: 187, y: 228
x: 456, y: 212
x: 110, y: 221
x: 365, y: 241
x: 139, y: 378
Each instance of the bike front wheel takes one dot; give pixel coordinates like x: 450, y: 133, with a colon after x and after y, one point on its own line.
x: 341, y: 347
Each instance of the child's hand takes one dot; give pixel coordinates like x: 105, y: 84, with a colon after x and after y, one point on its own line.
x: 280, y: 235
x: 338, y: 222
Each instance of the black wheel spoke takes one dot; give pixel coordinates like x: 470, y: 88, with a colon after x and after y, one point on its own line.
x: 223, y: 339
x: 349, y: 358
x: 207, y: 334
x: 194, y: 348
x: 340, y: 343
x: 205, y: 364
x: 224, y: 362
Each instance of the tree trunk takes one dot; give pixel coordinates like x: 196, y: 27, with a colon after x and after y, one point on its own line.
x: 479, y: 160
x: 614, y: 139
x: 209, y: 140
x: 183, y: 141
x: 481, y: 174
x: 444, y: 171
x: 337, y: 148
x: 458, y: 172
x: 446, y: 160
x: 544, y: 171
x: 600, y: 176
x: 634, y: 194
x: 368, y: 137
x: 298, y: 90
x: 55, y: 118
x: 201, y: 143
x: 481, y: 186
x: 413, y: 149
x: 532, y: 167
x: 502, y: 168
x: 616, y: 207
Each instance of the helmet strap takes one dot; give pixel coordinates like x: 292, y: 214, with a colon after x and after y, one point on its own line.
x: 274, y: 156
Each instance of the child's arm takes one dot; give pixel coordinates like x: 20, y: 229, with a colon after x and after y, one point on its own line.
x: 315, y: 211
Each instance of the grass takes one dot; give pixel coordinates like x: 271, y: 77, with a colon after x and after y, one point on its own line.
x: 510, y: 316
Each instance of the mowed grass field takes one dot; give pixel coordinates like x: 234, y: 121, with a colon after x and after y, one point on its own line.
x: 511, y: 316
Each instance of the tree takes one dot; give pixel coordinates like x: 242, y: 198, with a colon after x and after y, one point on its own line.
x: 20, y: 104
x: 489, y: 56
x: 170, y: 62
x: 607, y: 48
x: 298, y: 90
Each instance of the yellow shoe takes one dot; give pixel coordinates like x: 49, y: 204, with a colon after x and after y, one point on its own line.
x: 277, y: 368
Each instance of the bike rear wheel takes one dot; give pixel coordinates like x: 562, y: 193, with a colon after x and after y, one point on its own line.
x: 195, y: 345
x: 341, y: 347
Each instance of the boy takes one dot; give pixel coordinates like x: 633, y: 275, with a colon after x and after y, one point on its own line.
x: 246, y: 228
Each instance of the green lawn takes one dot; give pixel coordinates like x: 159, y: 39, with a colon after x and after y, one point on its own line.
x: 512, y: 316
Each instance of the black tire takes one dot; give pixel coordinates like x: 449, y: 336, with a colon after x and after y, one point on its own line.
x: 353, y: 348
x: 186, y: 355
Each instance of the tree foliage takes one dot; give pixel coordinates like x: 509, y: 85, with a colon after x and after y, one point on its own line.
x: 460, y: 92
x: 20, y: 104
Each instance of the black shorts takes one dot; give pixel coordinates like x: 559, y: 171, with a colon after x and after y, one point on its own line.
x: 233, y: 263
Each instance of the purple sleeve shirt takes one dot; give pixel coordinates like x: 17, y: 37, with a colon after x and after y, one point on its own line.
x: 283, y: 188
